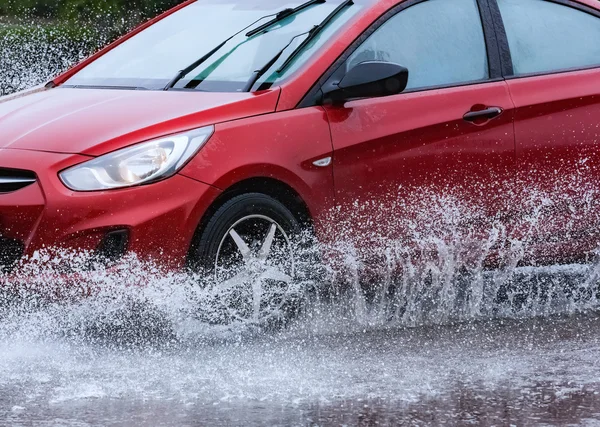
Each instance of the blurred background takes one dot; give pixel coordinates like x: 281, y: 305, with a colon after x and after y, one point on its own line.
x: 84, y: 9
x: 41, y: 38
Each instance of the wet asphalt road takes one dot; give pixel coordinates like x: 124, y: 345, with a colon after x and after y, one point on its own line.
x: 537, y: 371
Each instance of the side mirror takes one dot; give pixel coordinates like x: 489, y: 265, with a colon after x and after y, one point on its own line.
x: 370, y: 79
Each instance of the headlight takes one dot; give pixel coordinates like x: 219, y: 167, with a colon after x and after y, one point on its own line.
x: 139, y: 164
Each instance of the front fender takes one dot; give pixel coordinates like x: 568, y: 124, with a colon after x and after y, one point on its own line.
x: 281, y: 146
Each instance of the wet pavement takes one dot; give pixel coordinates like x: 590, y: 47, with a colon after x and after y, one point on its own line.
x: 536, y: 371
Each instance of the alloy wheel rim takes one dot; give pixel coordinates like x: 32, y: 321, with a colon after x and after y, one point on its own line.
x: 255, y: 259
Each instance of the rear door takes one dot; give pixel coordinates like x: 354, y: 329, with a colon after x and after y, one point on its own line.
x: 555, y: 84
x: 443, y: 147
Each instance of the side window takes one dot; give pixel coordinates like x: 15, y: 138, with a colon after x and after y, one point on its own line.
x: 545, y: 36
x: 441, y: 43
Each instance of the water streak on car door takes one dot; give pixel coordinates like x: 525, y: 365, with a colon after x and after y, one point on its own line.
x: 418, y: 148
x: 558, y: 136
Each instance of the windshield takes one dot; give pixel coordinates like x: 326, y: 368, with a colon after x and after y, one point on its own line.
x: 152, y: 58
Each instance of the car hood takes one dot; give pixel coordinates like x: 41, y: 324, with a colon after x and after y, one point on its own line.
x: 96, y: 121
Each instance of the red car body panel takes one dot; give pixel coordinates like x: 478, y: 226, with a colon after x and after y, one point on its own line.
x: 272, y: 150
x: 395, y: 145
x: 106, y: 120
x: 557, y: 132
x: 400, y: 145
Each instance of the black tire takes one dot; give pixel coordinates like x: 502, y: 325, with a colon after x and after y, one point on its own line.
x: 204, y: 249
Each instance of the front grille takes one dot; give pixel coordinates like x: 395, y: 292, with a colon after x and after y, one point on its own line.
x: 13, y: 179
x: 11, y: 252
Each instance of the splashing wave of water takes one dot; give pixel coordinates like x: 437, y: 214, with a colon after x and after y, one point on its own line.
x: 440, y: 273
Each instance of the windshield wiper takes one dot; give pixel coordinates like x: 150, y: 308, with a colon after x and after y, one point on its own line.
x: 259, y: 73
x: 181, y: 74
x: 312, y: 33
x: 282, y: 15
x: 279, y: 16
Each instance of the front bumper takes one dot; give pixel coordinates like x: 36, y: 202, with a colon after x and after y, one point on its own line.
x: 159, y: 219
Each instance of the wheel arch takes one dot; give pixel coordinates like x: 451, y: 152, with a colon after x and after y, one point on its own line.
x: 272, y: 187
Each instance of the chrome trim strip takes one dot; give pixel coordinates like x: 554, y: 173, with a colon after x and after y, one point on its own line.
x: 11, y: 181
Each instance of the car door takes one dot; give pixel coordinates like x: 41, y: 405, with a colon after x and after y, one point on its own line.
x: 445, y: 145
x: 555, y: 85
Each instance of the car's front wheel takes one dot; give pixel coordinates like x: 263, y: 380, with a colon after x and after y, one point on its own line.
x: 247, y: 253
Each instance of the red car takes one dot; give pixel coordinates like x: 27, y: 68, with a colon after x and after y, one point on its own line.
x: 210, y: 135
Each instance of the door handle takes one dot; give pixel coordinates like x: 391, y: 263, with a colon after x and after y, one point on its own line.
x: 487, y: 114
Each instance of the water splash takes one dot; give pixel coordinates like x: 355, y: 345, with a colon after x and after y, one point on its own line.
x: 390, y: 261
x: 452, y: 263
x: 439, y: 272
x: 32, y: 53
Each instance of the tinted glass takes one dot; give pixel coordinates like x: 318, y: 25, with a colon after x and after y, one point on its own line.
x: 440, y: 42
x: 153, y: 57
x: 545, y: 36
